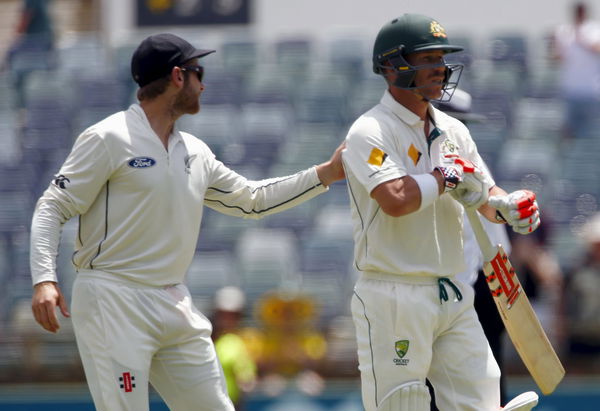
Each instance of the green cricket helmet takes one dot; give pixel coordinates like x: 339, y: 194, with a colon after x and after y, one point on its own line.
x: 412, y: 33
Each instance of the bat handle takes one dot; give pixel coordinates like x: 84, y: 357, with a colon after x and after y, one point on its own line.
x: 487, y: 248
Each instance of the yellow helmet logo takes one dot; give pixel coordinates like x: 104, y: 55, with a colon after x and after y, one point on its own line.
x: 437, y: 30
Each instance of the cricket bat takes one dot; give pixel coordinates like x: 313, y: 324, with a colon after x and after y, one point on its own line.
x: 521, y: 322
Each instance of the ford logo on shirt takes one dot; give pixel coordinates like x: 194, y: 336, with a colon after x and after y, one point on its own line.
x: 141, y: 162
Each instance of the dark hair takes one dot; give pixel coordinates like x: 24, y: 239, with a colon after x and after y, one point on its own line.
x: 153, y: 89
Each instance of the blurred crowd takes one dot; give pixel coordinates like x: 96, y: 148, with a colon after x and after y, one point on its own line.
x: 278, y: 290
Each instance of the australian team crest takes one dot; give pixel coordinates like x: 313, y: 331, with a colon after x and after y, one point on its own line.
x: 437, y: 30
x: 449, y: 147
x: 401, y: 348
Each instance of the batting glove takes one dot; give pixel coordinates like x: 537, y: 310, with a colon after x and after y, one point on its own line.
x: 453, y: 175
x: 465, y: 182
x: 473, y: 192
x: 518, y: 209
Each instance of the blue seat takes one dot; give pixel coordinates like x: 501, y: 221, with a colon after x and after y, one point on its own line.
x: 293, y: 58
x: 218, y: 126
x: 467, y: 55
x: 52, y: 137
x: 326, y: 254
x: 510, y: 49
x: 365, y: 94
x: 349, y: 56
x: 100, y: 91
x: 267, y: 259
x: 16, y: 208
x: 209, y: 271
x: 298, y: 219
x: 293, y: 53
x: 521, y: 157
x: 83, y: 52
x: 240, y: 57
x: 496, y: 105
x: 322, y: 105
x: 17, y: 177
x: 222, y: 88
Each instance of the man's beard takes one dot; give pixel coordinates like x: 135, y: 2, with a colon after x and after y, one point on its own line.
x: 186, y: 102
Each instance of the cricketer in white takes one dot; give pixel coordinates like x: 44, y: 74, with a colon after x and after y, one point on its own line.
x: 139, y: 185
x: 410, y: 168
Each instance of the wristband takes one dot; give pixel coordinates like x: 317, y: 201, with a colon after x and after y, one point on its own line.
x: 428, y: 185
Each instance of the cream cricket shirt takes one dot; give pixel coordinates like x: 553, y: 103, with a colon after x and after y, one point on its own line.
x: 140, y: 206
x: 387, y: 143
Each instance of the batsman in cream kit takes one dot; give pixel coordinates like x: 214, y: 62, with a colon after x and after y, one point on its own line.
x: 139, y: 185
x: 410, y: 170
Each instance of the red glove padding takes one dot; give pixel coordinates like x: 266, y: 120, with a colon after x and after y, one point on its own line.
x: 519, y: 209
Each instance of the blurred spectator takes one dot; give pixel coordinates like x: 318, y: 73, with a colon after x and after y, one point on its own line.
x: 582, y: 302
x: 577, y: 47
x: 33, y: 46
x: 287, y: 345
x: 238, y: 366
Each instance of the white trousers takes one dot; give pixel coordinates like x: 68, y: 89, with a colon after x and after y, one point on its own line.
x: 131, y: 335
x: 405, y: 333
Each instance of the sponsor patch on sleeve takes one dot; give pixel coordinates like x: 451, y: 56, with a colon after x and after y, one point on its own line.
x: 377, y: 157
x: 414, y: 154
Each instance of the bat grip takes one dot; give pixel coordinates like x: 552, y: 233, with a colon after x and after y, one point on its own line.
x: 487, y: 248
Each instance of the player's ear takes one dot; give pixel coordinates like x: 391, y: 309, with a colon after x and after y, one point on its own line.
x: 177, y: 76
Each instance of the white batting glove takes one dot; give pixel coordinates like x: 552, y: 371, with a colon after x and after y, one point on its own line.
x: 468, y: 185
x: 474, y: 190
x: 519, y: 209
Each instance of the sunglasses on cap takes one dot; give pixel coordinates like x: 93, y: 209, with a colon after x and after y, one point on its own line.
x: 199, y: 70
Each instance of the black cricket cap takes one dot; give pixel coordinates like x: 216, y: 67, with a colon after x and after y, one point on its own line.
x: 156, y: 56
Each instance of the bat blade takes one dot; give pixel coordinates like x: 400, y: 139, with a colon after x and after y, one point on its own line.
x: 522, y: 324
x: 518, y: 316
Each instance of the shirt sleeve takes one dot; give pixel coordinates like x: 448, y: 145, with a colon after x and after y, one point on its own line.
x: 232, y: 194
x: 73, y: 190
x: 368, y: 158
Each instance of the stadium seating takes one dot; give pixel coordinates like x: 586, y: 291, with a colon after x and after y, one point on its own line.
x: 273, y: 108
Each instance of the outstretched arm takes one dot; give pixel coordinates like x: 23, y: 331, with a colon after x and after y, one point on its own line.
x: 232, y: 194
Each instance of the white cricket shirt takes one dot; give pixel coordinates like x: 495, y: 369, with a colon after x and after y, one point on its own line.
x: 140, y: 205
x: 386, y: 143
